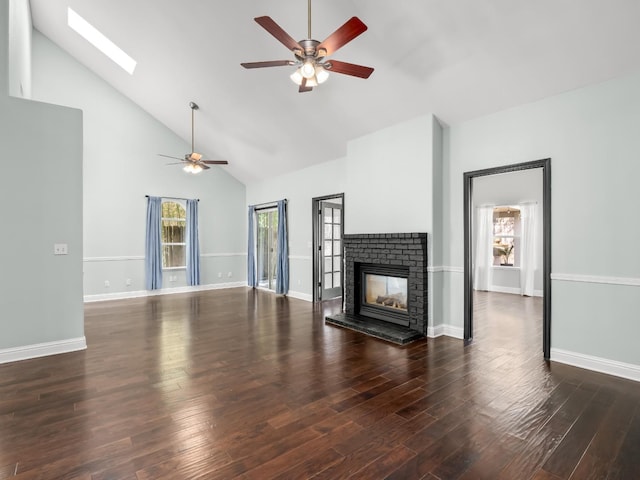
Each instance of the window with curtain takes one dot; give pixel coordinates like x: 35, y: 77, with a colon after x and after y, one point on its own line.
x: 506, y: 236
x: 173, y: 227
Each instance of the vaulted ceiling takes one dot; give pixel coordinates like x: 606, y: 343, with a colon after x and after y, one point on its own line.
x: 458, y: 59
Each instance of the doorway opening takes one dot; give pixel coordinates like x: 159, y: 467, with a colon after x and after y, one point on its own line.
x: 328, y: 249
x: 469, y: 240
x: 266, y: 243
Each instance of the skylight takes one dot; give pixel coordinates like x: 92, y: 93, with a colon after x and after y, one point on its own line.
x: 102, y: 43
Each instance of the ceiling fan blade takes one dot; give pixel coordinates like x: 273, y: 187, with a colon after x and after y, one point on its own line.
x: 303, y: 86
x: 176, y: 163
x: 169, y: 156
x: 349, y: 69
x: 274, y: 29
x: 215, y: 162
x: 204, y: 167
x: 273, y: 63
x: 343, y: 35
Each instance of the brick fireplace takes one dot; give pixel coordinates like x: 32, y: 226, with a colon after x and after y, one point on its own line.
x: 395, y: 261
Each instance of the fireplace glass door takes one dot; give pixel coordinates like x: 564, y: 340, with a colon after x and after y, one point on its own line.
x: 386, y: 292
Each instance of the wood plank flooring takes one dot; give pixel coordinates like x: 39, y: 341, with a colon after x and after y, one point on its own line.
x: 243, y: 384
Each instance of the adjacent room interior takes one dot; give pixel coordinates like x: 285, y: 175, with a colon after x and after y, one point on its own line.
x: 193, y: 239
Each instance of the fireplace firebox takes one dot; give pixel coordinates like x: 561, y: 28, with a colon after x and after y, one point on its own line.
x: 383, y: 292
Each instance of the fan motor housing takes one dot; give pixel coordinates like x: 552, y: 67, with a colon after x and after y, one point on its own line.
x: 310, y: 48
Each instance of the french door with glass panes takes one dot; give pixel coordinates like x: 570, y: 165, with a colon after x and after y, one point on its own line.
x: 330, y: 250
x: 267, y: 244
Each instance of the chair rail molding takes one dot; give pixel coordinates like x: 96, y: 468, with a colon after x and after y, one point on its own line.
x: 567, y: 277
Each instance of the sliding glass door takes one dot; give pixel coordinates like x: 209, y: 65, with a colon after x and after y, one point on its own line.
x: 266, y: 242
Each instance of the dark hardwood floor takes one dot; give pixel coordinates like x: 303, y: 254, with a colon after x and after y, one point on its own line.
x: 243, y: 384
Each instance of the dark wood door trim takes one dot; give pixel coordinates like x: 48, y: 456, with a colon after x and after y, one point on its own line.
x: 545, y: 164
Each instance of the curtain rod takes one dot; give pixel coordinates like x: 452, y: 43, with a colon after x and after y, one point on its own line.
x: 267, y: 204
x: 175, y: 198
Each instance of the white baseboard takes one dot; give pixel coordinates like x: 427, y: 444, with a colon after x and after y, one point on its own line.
x: 512, y: 290
x: 42, y: 349
x: 300, y: 296
x: 597, y: 364
x: 437, y: 331
x: 447, y: 330
x: 163, y: 291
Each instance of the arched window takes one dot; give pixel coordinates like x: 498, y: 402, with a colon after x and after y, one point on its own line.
x: 173, y: 223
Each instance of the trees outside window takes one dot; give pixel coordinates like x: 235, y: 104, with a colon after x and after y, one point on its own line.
x: 173, y: 227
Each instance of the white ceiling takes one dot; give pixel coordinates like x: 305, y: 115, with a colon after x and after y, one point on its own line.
x: 458, y: 59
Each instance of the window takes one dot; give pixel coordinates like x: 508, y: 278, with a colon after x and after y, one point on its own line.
x: 174, y: 224
x: 506, y: 236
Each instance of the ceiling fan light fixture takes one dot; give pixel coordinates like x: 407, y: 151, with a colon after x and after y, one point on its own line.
x: 296, y: 77
x: 321, y: 74
x: 192, y: 168
x: 308, y: 69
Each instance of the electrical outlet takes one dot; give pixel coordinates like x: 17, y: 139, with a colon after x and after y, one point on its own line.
x: 127, y: 282
x: 107, y: 284
x: 219, y: 274
x: 60, y: 249
x: 230, y: 274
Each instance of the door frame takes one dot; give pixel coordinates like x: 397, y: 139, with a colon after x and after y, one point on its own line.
x: 315, y: 207
x: 545, y: 164
x: 272, y: 251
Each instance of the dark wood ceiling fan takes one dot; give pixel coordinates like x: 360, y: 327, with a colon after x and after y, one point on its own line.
x: 193, y: 161
x: 312, y: 65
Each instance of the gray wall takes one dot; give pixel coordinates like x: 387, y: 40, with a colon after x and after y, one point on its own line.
x: 121, y: 166
x: 41, y: 190
x: 591, y: 136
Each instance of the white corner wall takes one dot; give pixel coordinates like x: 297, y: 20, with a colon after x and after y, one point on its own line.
x: 591, y: 136
x: 121, y: 166
x: 389, y: 174
x: 40, y: 293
